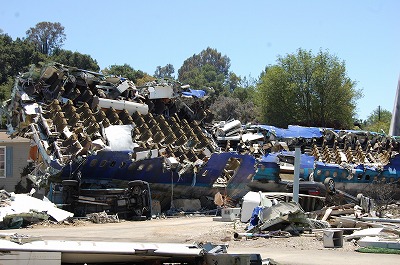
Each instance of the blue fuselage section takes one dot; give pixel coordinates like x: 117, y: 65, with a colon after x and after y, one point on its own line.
x: 118, y: 166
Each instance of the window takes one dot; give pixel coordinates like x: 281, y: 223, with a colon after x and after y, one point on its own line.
x: 2, y: 161
x: 103, y: 163
x: 93, y: 162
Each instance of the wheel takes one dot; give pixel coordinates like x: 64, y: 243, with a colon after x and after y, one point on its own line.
x: 70, y: 183
x: 138, y: 211
x: 330, y: 185
x: 136, y: 190
x: 70, y: 192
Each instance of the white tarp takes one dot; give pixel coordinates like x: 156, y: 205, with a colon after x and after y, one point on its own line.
x: 120, y: 137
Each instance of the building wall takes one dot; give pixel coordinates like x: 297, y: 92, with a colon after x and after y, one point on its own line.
x: 18, y: 151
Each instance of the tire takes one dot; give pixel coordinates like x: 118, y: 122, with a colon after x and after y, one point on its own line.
x: 135, y: 183
x: 138, y: 211
x: 330, y: 185
x: 136, y: 190
x: 69, y: 193
x: 70, y: 183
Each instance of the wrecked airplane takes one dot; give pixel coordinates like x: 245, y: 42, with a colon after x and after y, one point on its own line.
x: 103, y: 139
x: 103, y: 143
x: 346, y: 160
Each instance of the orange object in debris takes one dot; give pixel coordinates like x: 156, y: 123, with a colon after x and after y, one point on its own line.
x: 33, y: 153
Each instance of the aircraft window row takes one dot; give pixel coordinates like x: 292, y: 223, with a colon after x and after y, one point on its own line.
x: 360, y: 177
x: 103, y: 163
x: 335, y: 174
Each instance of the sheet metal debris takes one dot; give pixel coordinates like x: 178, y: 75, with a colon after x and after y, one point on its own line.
x: 103, y: 217
x: 287, y: 216
x: 19, y: 208
x: 14, y: 248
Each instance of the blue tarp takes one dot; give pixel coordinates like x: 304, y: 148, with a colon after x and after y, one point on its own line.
x: 270, y: 157
x: 255, y: 217
x: 194, y: 93
x: 293, y: 131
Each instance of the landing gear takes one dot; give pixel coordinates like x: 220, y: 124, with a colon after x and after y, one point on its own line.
x: 70, y: 192
x: 139, y: 201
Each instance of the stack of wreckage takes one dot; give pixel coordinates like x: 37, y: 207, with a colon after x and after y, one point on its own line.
x: 97, y: 140
x: 271, y: 215
x: 103, y: 143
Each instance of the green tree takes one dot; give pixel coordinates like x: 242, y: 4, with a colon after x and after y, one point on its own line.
x: 137, y: 76
x: 245, y: 89
x: 76, y: 59
x: 378, y: 121
x: 237, y: 102
x: 46, y: 36
x: 209, y: 70
x: 275, y: 99
x: 233, y: 81
x: 226, y: 108
x: 307, y: 90
x: 5, y: 89
x: 165, y: 71
x: 16, y: 56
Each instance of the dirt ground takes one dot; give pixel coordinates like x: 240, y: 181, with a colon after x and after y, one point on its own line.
x: 305, y: 249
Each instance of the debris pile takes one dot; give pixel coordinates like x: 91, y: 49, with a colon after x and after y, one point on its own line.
x: 93, y: 134
x: 103, y: 217
x: 21, y: 209
x: 356, y: 222
x: 281, y: 216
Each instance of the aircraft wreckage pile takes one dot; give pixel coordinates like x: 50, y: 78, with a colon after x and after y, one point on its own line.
x: 96, y: 134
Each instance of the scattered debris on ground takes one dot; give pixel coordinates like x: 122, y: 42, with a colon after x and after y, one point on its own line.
x: 333, y: 226
x: 22, y: 209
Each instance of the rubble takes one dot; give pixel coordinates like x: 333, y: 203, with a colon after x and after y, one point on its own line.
x: 84, y: 124
x: 267, y: 215
x: 18, y: 209
x: 87, y: 127
x: 103, y: 217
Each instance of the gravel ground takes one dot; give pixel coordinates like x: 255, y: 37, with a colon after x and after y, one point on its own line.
x: 305, y: 249
x: 197, y: 229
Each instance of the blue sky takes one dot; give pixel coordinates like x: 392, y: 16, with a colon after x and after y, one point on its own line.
x: 365, y: 34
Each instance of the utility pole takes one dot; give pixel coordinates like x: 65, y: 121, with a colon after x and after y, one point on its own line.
x: 296, y: 178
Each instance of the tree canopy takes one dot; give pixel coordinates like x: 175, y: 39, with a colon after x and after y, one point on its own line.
x: 378, y: 121
x: 46, y: 36
x: 137, y: 76
x: 165, y: 71
x: 209, y: 69
x: 226, y: 108
x: 15, y: 57
x: 309, y: 90
x: 76, y: 59
x: 301, y: 88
